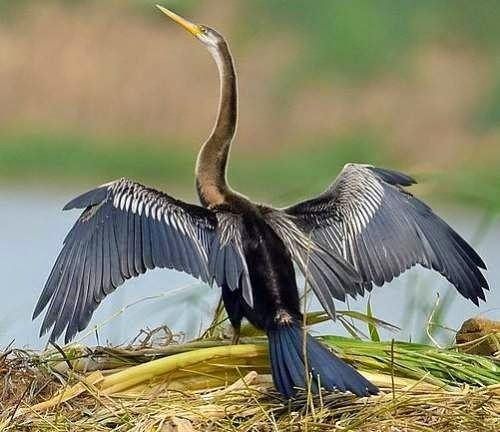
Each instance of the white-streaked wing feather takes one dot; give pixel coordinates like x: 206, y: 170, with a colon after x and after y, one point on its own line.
x: 382, y: 230
x: 125, y: 229
x: 328, y: 274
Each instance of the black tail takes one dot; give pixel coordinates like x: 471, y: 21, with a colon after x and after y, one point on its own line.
x: 287, y: 364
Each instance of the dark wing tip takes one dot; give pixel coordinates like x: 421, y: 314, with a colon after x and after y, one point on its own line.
x: 38, y: 310
x: 90, y: 198
x: 394, y: 177
x: 56, y: 333
x: 44, y: 329
x: 44, y: 298
x: 468, y: 249
x: 449, y: 254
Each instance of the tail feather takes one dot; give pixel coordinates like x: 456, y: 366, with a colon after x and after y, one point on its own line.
x: 326, y: 369
x: 278, y: 370
x: 292, y: 361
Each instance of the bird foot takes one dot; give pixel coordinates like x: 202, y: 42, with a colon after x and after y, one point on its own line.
x: 236, y: 336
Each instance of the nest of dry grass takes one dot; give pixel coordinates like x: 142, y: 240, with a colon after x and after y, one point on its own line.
x: 210, y: 385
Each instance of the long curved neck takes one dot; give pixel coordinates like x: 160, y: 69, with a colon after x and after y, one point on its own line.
x: 212, y: 160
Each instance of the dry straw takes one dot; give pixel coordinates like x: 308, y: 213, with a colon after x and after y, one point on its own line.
x: 210, y: 385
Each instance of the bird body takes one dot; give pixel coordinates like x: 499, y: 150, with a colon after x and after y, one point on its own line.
x: 276, y: 309
x: 364, y: 229
x: 272, y: 276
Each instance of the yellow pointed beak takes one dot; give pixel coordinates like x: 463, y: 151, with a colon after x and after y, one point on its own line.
x: 189, y: 26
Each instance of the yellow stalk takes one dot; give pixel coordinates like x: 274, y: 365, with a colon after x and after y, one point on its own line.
x: 144, y: 372
x: 139, y: 376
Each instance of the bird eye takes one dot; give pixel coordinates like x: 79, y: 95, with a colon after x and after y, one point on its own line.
x: 203, y: 29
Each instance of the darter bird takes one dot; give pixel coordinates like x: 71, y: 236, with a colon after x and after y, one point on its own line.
x: 364, y: 229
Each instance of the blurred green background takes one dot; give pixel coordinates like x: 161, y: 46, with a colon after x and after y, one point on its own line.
x: 91, y: 91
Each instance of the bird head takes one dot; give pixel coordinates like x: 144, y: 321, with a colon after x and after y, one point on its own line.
x: 206, y: 35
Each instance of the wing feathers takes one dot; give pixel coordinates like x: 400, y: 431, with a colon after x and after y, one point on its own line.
x: 329, y: 275
x: 382, y: 230
x: 393, y: 177
x: 117, y: 278
x: 147, y: 247
x: 124, y: 230
x: 137, y: 251
x: 88, y: 199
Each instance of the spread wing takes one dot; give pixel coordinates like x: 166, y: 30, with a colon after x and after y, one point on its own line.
x: 125, y: 229
x: 326, y: 271
x: 227, y: 261
x: 368, y: 217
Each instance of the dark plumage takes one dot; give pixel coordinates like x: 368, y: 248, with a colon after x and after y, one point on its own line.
x: 286, y: 350
x: 364, y: 229
x: 382, y: 230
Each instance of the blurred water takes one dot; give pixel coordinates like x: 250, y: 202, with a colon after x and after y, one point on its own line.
x: 32, y: 228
